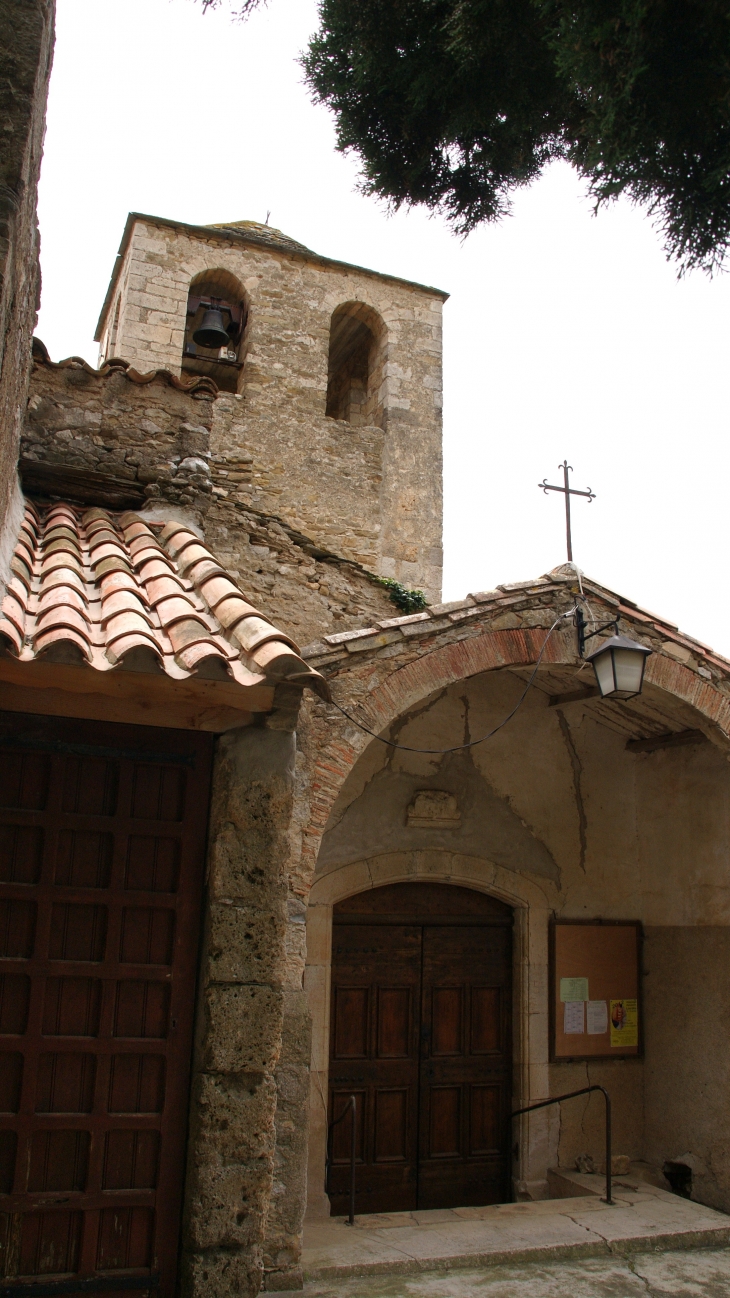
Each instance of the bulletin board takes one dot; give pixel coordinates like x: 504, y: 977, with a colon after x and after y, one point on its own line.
x: 595, y: 989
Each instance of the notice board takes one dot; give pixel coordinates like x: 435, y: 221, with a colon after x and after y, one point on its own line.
x: 595, y: 989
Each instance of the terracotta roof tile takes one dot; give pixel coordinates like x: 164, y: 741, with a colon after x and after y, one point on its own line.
x: 110, y: 584
x: 117, y: 366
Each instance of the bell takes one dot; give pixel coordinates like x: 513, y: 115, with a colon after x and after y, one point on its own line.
x: 212, y: 332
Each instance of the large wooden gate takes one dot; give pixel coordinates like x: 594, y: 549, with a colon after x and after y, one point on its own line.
x: 420, y: 1034
x: 102, y: 838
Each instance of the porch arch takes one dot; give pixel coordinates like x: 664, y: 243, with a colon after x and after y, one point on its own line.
x: 339, y: 744
x: 451, y: 663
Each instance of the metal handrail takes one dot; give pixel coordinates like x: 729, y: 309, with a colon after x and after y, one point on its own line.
x: 557, y: 1099
x: 351, y: 1105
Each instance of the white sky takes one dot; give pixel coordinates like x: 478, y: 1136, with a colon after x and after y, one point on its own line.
x: 566, y: 335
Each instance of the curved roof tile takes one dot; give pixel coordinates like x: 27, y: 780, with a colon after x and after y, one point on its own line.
x: 115, y: 365
x: 109, y: 584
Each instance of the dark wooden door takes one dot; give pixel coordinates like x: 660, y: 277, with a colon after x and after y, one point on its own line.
x: 102, y: 838
x: 465, y: 1066
x: 420, y: 1034
x: 376, y: 994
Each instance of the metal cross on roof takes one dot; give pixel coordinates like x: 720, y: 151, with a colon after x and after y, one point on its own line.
x: 567, y: 491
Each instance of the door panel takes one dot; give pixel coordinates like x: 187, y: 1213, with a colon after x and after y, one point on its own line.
x: 444, y: 1123
x: 486, y: 1020
x: 374, y: 1055
x: 464, y: 1079
x: 485, y: 1134
x: 102, y: 834
x: 446, y: 1021
x: 420, y: 1033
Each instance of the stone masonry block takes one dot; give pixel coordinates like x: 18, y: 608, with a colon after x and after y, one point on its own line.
x: 222, y: 1273
x: 243, y: 1029
x: 245, y: 943
x: 284, y: 1281
x: 226, y: 1204
x: 233, y: 1117
x: 296, y: 1031
x: 247, y: 869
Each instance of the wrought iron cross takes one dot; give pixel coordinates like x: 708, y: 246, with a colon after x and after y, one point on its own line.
x: 567, y: 491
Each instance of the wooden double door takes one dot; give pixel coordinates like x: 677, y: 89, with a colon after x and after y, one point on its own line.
x: 421, y: 1035
x: 102, y: 838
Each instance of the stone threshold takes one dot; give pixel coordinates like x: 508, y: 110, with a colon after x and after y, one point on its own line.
x: 643, y: 1218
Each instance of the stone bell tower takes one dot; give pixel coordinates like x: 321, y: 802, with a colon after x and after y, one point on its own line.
x: 329, y: 413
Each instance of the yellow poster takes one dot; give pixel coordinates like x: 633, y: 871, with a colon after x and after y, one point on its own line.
x: 625, y: 1023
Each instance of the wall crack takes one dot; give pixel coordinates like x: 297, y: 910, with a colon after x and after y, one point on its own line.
x: 577, y: 768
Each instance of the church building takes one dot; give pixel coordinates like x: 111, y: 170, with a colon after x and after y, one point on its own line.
x: 298, y: 862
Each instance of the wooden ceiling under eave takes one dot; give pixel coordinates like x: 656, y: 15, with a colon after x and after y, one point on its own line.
x: 134, y: 697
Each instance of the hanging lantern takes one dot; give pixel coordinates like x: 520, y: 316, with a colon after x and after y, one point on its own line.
x: 619, y: 665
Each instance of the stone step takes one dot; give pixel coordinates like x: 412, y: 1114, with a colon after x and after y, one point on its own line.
x: 697, y: 1273
x: 642, y: 1218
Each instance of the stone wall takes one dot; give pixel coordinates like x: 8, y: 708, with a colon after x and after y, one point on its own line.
x: 111, y: 437
x: 26, y: 47
x: 108, y: 438
x: 371, y: 493
x: 307, y: 591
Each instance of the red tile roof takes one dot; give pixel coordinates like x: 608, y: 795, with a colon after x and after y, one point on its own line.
x: 115, y: 365
x: 113, y: 584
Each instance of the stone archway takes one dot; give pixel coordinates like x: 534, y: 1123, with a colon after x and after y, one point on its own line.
x: 384, y: 688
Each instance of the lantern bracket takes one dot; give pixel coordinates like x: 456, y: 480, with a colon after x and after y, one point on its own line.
x: 584, y: 636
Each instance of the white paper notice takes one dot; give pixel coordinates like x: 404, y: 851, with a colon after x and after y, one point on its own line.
x: 597, y: 1016
x: 573, y: 1018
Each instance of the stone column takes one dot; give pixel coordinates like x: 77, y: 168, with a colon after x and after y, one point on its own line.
x: 240, y: 1016
x: 283, y: 1242
x: 282, y: 1245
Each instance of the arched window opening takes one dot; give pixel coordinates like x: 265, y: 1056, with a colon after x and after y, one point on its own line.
x: 215, y: 328
x: 356, y: 365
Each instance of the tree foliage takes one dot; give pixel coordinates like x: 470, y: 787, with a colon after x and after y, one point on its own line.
x: 454, y: 104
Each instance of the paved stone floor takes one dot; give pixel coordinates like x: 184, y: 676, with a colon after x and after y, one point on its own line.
x: 642, y: 1218
x: 696, y: 1273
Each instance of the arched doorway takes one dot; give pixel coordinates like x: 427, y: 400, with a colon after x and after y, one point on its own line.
x: 421, y: 1034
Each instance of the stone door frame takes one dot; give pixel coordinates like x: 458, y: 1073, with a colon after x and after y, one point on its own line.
x: 533, y: 905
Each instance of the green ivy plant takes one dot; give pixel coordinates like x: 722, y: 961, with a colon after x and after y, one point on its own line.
x: 408, y: 601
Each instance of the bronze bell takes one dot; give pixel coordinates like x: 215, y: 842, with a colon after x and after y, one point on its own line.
x: 212, y: 332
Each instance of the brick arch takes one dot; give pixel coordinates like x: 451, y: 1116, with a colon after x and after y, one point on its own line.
x: 456, y: 662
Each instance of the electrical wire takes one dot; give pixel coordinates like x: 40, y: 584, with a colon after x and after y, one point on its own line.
x: 472, y: 743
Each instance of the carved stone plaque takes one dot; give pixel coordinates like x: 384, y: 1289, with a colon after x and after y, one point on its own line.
x: 434, y: 809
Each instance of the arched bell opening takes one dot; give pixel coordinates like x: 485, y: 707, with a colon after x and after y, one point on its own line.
x: 215, y: 328
x: 356, y: 368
